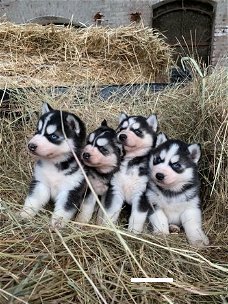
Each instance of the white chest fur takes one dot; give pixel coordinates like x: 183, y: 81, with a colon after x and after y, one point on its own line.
x: 98, y: 185
x: 55, y: 179
x: 172, y: 206
x: 128, y: 182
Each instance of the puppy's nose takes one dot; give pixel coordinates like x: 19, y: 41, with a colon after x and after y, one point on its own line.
x: 86, y: 155
x: 122, y: 137
x: 32, y: 147
x: 160, y: 176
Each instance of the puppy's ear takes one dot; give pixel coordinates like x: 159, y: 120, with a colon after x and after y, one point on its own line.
x: 161, y: 138
x: 73, y: 123
x: 195, y: 152
x: 122, y: 117
x: 46, y: 108
x: 152, y: 121
x: 104, y: 123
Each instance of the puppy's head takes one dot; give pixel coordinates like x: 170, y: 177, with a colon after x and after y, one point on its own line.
x: 57, y: 133
x: 102, y: 150
x: 137, y: 134
x: 173, y: 163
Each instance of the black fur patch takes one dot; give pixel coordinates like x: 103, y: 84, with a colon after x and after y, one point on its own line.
x: 109, y: 197
x: 98, y: 175
x: 39, y: 163
x: 32, y: 186
x: 144, y: 205
x: 142, y: 163
x: 170, y: 193
x: 65, y: 164
x: 75, y: 197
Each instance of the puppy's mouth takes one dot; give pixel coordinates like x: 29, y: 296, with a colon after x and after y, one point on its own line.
x: 89, y: 163
x: 47, y: 156
x: 163, y: 183
x: 51, y: 155
x: 32, y: 152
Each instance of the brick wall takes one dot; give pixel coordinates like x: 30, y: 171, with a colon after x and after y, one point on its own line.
x: 220, y: 36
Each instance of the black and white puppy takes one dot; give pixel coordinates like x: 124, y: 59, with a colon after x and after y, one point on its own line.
x: 57, y: 175
x: 174, y: 189
x: 137, y: 134
x: 101, y: 155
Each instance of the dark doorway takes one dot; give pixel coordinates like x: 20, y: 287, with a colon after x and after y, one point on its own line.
x: 188, y: 26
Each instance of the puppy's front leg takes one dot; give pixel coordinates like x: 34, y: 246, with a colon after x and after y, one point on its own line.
x: 192, y: 223
x: 138, y: 216
x: 159, y: 221
x: 112, y: 205
x: 87, y: 208
x: 38, y: 197
x: 67, y: 203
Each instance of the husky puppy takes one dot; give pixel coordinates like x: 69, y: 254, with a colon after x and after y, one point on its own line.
x: 174, y: 189
x: 56, y: 174
x: 101, y: 155
x: 137, y: 134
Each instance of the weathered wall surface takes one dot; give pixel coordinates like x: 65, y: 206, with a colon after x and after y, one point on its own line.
x: 115, y: 13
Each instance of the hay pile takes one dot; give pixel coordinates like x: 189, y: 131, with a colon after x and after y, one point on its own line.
x: 89, y: 264
x: 36, y: 55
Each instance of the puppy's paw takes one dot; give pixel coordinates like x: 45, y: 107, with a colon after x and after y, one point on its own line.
x: 82, y: 219
x: 199, y: 242
x: 135, y: 230
x: 57, y: 223
x: 174, y: 229
x: 25, y: 214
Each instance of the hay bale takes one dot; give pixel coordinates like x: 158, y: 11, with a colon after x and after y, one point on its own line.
x: 36, y: 55
x: 38, y: 265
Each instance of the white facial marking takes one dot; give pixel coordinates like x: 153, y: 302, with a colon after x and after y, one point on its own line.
x: 51, y: 129
x: 167, y: 155
x: 175, y: 159
x: 163, y: 154
x: 172, y: 152
x: 131, y: 121
x: 102, y: 141
x: 40, y: 124
x: 135, y: 126
x: 91, y: 137
x: 125, y: 124
x: 46, y: 122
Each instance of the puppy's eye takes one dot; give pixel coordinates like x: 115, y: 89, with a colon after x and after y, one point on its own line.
x: 54, y: 136
x: 103, y: 150
x: 176, y: 166
x: 138, y: 132
x: 157, y: 160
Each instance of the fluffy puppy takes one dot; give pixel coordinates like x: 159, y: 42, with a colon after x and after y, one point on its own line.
x: 101, y: 155
x: 56, y: 175
x: 174, y: 187
x: 137, y: 134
